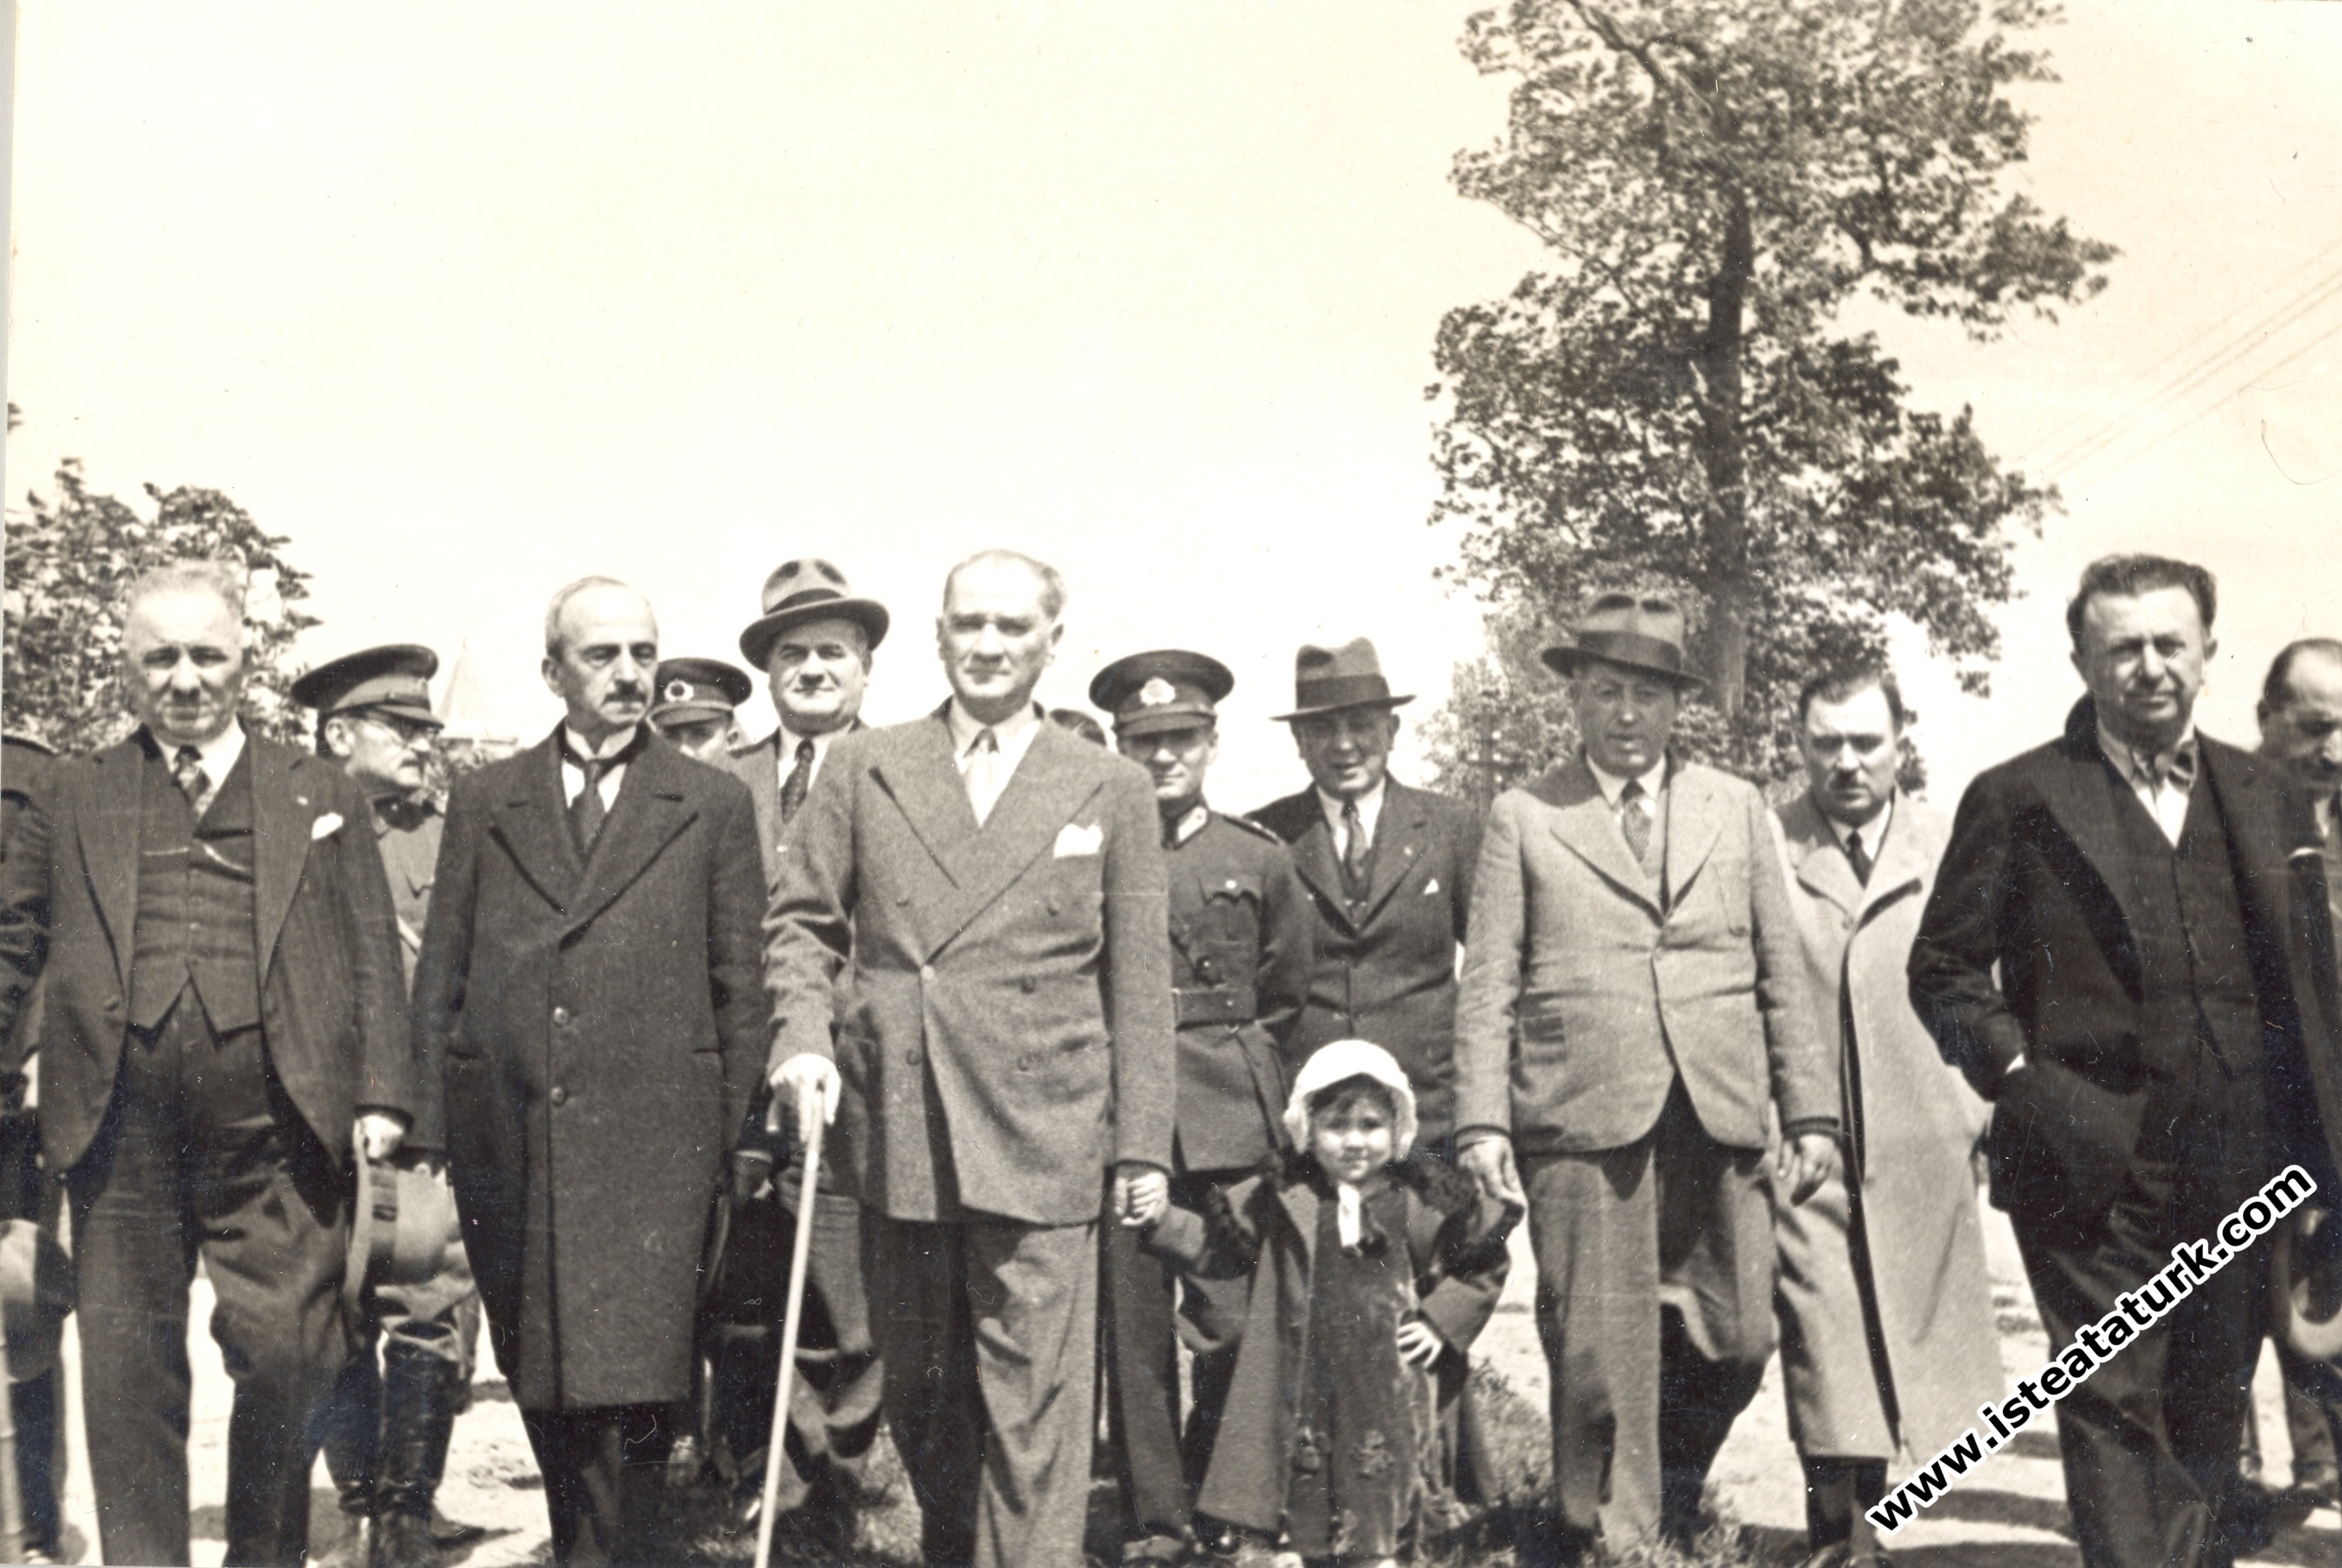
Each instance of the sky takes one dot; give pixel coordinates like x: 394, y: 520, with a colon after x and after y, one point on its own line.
x: 471, y: 299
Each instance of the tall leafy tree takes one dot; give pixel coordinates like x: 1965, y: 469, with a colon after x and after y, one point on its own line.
x: 1685, y: 398
x: 70, y: 555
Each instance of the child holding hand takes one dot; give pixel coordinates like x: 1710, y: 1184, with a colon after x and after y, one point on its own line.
x: 1366, y: 1267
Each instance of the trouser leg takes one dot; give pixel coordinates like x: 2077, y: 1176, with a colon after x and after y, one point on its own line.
x: 1594, y: 1228
x: 1033, y: 1302
x: 1142, y: 1385
x: 602, y: 1469
x: 934, y: 1407
x: 347, y: 1427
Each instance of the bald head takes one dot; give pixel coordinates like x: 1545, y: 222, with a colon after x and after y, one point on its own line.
x: 2301, y: 713
x: 601, y: 649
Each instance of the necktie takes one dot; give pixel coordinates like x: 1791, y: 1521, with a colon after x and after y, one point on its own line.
x: 1858, y: 856
x: 800, y: 779
x: 586, y: 811
x: 1633, y: 821
x: 984, y: 774
x: 1357, y: 851
x: 187, y: 773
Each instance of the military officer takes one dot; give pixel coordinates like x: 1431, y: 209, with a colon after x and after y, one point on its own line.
x: 385, y: 1430
x: 1241, y: 936
x: 692, y: 703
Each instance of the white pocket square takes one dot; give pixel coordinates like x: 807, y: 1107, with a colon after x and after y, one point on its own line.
x: 1431, y: 887
x: 1074, y: 839
x: 325, y: 826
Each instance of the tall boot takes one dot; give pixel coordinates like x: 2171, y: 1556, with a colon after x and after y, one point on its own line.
x: 347, y: 1425
x: 418, y: 1415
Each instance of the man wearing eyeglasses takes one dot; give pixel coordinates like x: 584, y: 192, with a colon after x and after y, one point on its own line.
x: 385, y: 1429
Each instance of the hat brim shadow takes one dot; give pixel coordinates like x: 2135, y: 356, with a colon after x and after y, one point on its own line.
x: 1386, y: 703
x: 1565, y: 660
x: 756, y: 641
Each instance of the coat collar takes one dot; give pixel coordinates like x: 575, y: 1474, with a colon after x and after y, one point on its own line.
x: 652, y: 808
x: 1900, y: 864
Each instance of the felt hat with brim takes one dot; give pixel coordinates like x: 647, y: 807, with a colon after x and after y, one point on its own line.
x: 1327, y: 680
x: 395, y: 678
x: 405, y: 1219
x: 1641, y: 631
x: 1167, y: 689
x: 808, y: 589
x: 2305, y: 1289
x: 694, y: 688
x: 36, y: 1291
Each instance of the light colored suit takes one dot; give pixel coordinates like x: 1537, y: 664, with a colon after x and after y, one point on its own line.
x: 1630, y: 1025
x: 1913, y: 1125
x: 1009, y: 1036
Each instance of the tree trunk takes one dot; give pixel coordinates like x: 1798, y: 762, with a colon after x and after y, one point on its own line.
x: 1725, y: 530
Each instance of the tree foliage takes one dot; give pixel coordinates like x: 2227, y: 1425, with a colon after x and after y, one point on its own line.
x: 71, y: 554
x: 1682, y: 401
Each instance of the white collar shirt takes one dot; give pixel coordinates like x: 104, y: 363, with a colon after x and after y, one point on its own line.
x: 573, y: 777
x: 786, y: 744
x: 1014, y: 736
x: 1370, y: 812
x: 2161, y: 786
x: 219, y: 754
x: 1874, y: 831
x: 1652, y: 780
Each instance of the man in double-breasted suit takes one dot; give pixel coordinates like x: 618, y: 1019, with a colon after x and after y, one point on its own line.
x: 588, y: 999
x: 997, y: 886
x: 814, y: 642
x: 2141, y: 890
x: 1632, y: 1006
x: 225, y: 1019
x: 1888, y: 1339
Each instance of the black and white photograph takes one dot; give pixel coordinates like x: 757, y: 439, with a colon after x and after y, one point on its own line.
x: 1173, y: 786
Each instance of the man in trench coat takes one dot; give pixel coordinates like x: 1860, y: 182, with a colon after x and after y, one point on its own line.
x: 1887, y: 1341
x: 588, y: 999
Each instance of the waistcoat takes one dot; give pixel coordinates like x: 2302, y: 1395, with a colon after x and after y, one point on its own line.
x: 195, y: 926
x: 2196, y: 971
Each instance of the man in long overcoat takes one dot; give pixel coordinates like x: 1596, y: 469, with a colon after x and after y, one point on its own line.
x: 1632, y: 1019
x: 2117, y: 954
x: 588, y: 997
x: 997, y: 886
x: 1888, y: 1339
x: 222, y: 1030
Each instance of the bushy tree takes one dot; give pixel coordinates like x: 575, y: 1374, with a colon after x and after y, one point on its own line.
x: 1682, y: 401
x: 70, y: 555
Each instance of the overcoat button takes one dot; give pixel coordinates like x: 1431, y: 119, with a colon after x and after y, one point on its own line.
x: 560, y: 1096
x: 561, y: 1018
x: 1027, y: 984
x: 911, y: 1058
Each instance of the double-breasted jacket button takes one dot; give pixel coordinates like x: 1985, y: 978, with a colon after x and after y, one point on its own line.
x: 911, y: 1058
x: 1027, y: 984
x: 560, y: 1096
x: 561, y: 1018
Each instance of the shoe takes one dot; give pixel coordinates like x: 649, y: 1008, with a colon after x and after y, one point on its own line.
x: 1162, y: 1551
x: 449, y: 1534
x: 2317, y: 1484
x: 355, y: 1548
x: 404, y: 1541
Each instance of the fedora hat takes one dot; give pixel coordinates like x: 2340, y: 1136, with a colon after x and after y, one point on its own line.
x: 406, y: 1217
x: 1636, y: 631
x: 1327, y: 680
x: 36, y: 1291
x: 808, y: 589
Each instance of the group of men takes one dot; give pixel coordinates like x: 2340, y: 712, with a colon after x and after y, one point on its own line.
x: 1736, y: 1062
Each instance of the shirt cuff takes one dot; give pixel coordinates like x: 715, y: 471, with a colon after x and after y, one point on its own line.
x: 1825, y: 1125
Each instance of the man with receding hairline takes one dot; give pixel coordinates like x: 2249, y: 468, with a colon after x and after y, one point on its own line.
x: 996, y: 887
x: 589, y: 1019
x: 2117, y: 954
x: 223, y: 1028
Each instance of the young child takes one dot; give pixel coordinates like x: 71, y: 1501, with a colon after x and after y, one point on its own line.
x: 1363, y: 1266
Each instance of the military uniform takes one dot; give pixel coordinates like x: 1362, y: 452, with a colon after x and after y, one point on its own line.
x: 385, y: 1429
x: 691, y: 692
x: 1241, y: 955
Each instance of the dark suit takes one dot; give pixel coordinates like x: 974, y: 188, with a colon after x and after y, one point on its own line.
x: 2153, y: 990
x: 839, y: 1376
x: 1009, y: 1037
x: 181, y: 1138
x: 599, y: 1027
x: 1385, y: 966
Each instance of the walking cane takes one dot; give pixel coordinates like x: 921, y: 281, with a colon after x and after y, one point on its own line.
x: 807, y: 1188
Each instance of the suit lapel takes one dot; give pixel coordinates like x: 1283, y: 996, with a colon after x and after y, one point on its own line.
x: 1313, y: 858
x: 1822, y: 869
x: 1399, y: 840
x: 1049, y: 786
x: 282, y: 812
x: 650, y: 811
x: 109, y: 847
x: 922, y: 778
x: 1694, y: 825
x: 1901, y: 865
x: 1584, y: 822
x: 2078, y: 794
x: 532, y: 824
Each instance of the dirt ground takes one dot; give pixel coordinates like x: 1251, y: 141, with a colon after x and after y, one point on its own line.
x: 2011, y: 1515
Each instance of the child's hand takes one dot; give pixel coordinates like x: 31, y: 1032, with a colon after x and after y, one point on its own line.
x: 1145, y: 1197
x: 1419, y: 1343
